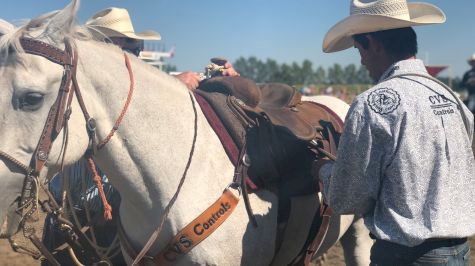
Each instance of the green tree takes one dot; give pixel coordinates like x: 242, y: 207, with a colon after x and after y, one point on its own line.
x: 349, y: 74
x: 285, y: 74
x: 296, y: 74
x: 241, y: 66
x: 320, y: 77
x: 248, y: 67
x: 271, y: 71
x: 362, y: 76
x: 335, y: 74
x: 307, y: 74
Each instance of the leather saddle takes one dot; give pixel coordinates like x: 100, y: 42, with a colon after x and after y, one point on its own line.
x: 282, y: 134
x: 280, y: 103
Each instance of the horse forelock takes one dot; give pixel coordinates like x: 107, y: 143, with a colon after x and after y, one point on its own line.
x: 52, y: 27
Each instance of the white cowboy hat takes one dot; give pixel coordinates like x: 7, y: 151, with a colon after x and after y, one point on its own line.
x: 471, y: 59
x: 116, y: 22
x: 377, y: 15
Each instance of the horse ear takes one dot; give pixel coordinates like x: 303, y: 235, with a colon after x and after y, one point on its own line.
x: 61, y: 23
x: 5, y: 27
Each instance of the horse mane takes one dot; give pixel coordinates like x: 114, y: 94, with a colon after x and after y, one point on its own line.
x: 53, y: 28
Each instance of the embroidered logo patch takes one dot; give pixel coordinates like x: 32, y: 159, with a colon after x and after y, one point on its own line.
x: 441, y: 105
x: 384, y: 101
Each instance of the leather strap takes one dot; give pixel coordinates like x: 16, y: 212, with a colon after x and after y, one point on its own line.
x: 192, y: 234
x: 199, y: 229
x: 55, y: 119
x: 326, y: 213
x: 45, y: 50
x: 58, y: 116
x: 330, y: 150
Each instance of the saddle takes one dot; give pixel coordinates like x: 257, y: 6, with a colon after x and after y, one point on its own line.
x: 281, y: 134
x: 280, y: 103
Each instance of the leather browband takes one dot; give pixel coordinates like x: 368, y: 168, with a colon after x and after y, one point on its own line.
x: 47, y: 51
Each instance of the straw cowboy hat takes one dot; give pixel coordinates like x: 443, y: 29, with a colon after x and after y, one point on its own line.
x: 116, y: 22
x: 377, y: 15
x: 471, y: 59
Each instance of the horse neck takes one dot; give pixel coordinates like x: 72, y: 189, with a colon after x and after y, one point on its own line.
x: 158, y: 102
x: 148, y: 154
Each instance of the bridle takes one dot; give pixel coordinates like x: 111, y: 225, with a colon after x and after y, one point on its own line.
x: 57, y: 119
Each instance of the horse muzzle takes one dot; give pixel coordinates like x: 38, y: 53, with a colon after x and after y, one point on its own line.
x: 10, y: 222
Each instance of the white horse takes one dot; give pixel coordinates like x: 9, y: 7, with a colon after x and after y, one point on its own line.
x: 146, y: 157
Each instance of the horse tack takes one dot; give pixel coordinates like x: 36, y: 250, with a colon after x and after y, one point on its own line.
x: 280, y: 105
x: 187, y: 238
x: 57, y: 118
x: 52, y: 128
x: 191, y: 235
x: 221, y: 210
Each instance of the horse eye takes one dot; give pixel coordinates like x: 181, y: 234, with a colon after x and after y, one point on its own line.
x: 31, y: 100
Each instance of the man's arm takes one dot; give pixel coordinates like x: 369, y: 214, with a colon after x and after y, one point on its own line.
x: 192, y: 79
x: 351, y: 184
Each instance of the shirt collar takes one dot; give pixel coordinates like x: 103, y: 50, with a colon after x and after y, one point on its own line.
x: 404, y: 67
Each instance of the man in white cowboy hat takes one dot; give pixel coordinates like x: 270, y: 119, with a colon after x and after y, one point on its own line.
x: 468, y: 82
x: 114, y: 24
x: 405, y: 160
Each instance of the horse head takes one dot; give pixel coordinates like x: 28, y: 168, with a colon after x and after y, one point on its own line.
x: 29, y: 87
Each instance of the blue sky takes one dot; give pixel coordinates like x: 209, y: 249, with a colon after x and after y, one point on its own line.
x: 284, y: 30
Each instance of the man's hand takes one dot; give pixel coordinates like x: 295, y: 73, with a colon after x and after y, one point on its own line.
x: 190, y: 79
x: 229, y: 70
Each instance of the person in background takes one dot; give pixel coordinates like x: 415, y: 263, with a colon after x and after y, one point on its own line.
x: 468, y: 82
x: 404, y: 159
x: 114, y: 24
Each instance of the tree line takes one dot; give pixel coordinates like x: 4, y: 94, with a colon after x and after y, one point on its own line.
x: 300, y: 74
x: 306, y: 74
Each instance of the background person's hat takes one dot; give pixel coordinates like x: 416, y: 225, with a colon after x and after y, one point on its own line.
x: 116, y: 22
x: 377, y: 15
x: 471, y: 59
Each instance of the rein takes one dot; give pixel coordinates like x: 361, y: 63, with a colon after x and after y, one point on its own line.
x: 57, y: 119
x: 170, y: 204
